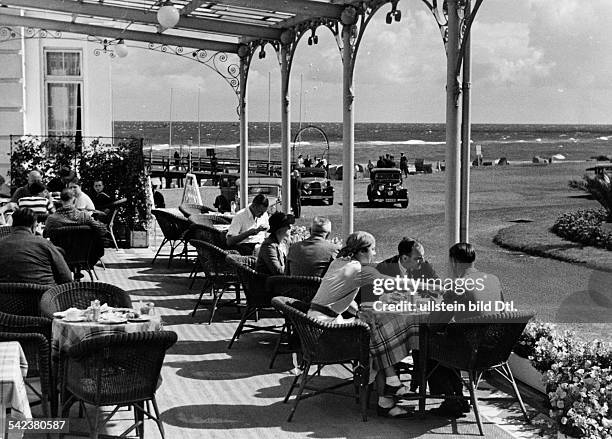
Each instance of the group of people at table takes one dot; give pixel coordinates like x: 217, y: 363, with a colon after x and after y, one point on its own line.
x: 348, y: 273
x: 25, y: 256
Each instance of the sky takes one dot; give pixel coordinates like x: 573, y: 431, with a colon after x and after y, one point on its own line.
x: 533, y: 61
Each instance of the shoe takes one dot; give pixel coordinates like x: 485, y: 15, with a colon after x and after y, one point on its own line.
x: 400, y: 390
x: 399, y: 413
x: 448, y: 409
x: 465, y: 406
x: 78, y: 275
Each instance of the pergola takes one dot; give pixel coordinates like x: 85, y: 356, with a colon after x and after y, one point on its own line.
x: 214, y: 30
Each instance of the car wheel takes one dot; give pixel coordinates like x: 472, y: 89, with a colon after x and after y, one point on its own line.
x: 404, y: 204
x: 330, y: 201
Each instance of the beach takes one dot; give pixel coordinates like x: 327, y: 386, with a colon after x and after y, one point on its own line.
x: 499, y: 196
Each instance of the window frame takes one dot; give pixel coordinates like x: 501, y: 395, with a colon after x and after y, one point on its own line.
x: 62, y: 79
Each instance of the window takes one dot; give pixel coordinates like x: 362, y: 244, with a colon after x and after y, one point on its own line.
x: 63, y: 93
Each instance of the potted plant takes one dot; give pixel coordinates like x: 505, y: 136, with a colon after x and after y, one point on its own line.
x: 520, y: 360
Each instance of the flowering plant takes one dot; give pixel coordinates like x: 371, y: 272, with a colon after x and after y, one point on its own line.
x: 580, y: 391
x: 533, y: 332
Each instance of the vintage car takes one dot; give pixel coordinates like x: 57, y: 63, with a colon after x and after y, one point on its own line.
x: 386, y: 187
x: 315, y: 185
x: 258, y: 184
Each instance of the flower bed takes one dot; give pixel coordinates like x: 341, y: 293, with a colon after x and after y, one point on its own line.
x: 578, y: 377
x: 585, y: 227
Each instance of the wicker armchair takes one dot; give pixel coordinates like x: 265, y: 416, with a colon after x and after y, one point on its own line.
x: 118, y: 370
x: 218, y: 275
x: 5, y: 231
x: 256, y: 293
x: 78, y: 242
x: 80, y: 295
x: 302, y: 288
x: 479, y: 344
x: 324, y: 344
x: 34, y: 335
x: 174, y: 228
x: 189, y: 209
x: 21, y: 299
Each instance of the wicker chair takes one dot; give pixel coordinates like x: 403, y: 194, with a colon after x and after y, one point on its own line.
x: 174, y: 228
x: 80, y: 295
x: 256, y: 293
x: 324, y: 344
x: 188, y: 209
x: 109, y: 219
x: 479, y: 344
x: 118, y: 370
x: 219, y: 276
x: 5, y: 231
x: 21, y: 299
x: 302, y: 288
x: 78, y: 242
x: 34, y: 335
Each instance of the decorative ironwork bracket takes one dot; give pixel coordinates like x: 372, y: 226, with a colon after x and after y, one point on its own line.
x: 219, y: 62
x: 9, y: 33
x: 107, y: 45
x: 440, y: 13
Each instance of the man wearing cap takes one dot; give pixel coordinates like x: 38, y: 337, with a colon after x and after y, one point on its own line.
x: 248, y: 226
x: 272, y: 257
x: 312, y: 256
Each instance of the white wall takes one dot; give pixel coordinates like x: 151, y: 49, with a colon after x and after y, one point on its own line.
x: 97, y: 110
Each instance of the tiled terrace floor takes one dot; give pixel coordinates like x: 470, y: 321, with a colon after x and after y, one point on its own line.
x: 211, y: 392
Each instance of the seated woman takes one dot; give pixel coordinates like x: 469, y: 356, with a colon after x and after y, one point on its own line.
x: 272, y: 257
x: 336, y: 296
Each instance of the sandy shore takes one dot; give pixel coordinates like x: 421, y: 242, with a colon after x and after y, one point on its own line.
x: 498, y: 197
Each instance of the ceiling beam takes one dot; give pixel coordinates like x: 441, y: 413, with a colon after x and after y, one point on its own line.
x: 147, y: 17
x: 101, y: 31
x: 302, y: 8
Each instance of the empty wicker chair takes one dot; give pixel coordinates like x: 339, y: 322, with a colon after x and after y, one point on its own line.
x: 302, y: 288
x: 21, y: 299
x: 80, y: 244
x: 116, y: 370
x: 174, y: 228
x: 479, y: 344
x: 80, y: 295
x: 189, y: 209
x: 109, y: 219
x: 324, y: 344
x: 257, y: 295
x: 219, y: 276
x: 34, y: 335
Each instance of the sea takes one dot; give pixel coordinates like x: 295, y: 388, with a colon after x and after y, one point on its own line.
x: 515, y: 142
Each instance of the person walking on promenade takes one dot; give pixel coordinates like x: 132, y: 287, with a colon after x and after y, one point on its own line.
x: 296, y: 191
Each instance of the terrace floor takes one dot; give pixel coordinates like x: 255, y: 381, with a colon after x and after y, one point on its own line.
x: 210, y: 391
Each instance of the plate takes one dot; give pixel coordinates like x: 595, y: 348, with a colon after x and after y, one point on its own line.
x: 74, y: 320
x: 112, y: 321
x: 139, y: 319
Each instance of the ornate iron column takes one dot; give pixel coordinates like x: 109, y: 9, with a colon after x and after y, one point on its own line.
x: 466, y: 135
x: 286, y: 58
x: 455, y: 19
x: 245, y: 53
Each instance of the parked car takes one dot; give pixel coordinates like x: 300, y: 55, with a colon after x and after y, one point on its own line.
x: 258, y: 184
x: 386, y: 187
x: 316, y: 186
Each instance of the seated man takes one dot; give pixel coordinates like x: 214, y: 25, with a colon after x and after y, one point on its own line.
x: 24, y: 191
x: 5, y: 190
x: 25, y: 257
x: 100, y: 198
x: 249, y: 225
x: 38, y: 202
x: 68, y: 215
x: 409, y: 261
x: 484, y: 288
x: 312, y: 256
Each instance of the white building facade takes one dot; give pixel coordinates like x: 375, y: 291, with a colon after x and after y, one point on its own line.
x: 52, y: 84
